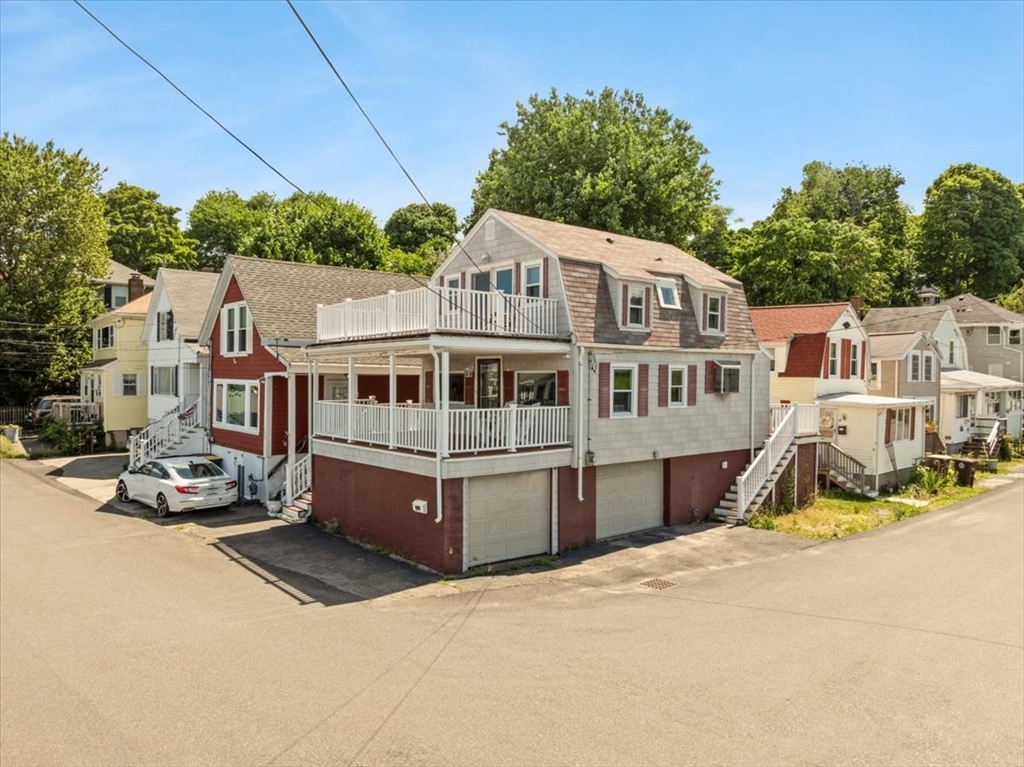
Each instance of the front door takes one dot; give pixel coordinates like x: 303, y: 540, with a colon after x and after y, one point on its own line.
x: 488, y: 383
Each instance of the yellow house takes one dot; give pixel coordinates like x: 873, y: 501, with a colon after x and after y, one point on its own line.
x: 114, y: 383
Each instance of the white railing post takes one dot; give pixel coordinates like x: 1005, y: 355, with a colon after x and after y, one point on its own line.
x: 392, y: 312
x: 319, y: 321
x: 432, y: 309
x: 510, y: 435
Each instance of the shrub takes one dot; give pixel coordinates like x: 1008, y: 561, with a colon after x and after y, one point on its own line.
x: 926, y: 482
x: 762, y: 519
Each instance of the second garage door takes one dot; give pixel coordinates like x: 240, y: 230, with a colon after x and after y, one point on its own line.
x: 629, y: 497
x: 508, y: 516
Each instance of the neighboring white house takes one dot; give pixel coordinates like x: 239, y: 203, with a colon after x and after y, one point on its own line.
x: 936, y: 322
x: 974, y: 404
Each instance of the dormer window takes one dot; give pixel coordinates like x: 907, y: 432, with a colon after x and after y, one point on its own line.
x: 635, y: 316
x: 667, y: 295
x: 713, y: 321
x: 235, y: 330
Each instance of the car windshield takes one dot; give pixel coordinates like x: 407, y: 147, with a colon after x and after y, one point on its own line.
x: 198, y: 470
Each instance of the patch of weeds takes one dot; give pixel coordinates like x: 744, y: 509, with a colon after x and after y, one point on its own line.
x: 549, y: 562
x: 761, y: 520
x: 331, y: 527
x: 376, y: 548
x: 7, y: 449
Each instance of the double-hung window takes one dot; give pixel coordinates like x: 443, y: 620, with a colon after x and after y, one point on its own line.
x: 995, y: 335
x: 235, y: 324
x: 713, y: 319
x: 104, y: 337
x: 165, y: 326
x: 536, y: 388
x: 833, y: 359
x: 900, y: 418
x: 129, y: 384
x: 636, y: 306
x: 163, y: 380
x: 854, y: 362
x: 914, y: 369
x: 928, y: 364
x: 236, y: 405
x: 952, y: 353
x: 532, y: 276
x: 1014, y: 337
x: 623, y: 391
x: 963, y: 406
x: 677, y: 387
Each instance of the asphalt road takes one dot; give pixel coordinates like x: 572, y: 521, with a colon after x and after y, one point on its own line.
x: 122, y: 642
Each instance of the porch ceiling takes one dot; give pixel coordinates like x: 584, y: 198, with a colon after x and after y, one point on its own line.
x: 421, y: 346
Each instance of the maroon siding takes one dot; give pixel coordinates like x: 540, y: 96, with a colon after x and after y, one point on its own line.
x: 279, y: 417
x: 604, y: 382
x: 807, y: 474
x: 407, y: 387
x: 642, y: 390
x: 577, y: 522
x: 250, y: 367
x: 695, y: 484
x: 375, y: 504
x: 561, y: 388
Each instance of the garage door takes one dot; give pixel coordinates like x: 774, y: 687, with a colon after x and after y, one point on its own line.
x: 629, y: 498
x: 508, y: 516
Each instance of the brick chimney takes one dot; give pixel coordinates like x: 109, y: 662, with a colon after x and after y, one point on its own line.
x: 857, y: 303
x: 135, y: 287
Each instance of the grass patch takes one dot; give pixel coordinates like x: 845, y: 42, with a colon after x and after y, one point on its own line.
x: 7, y: 450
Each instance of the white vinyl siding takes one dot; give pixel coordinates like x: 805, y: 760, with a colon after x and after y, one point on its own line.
x: 623, y: 391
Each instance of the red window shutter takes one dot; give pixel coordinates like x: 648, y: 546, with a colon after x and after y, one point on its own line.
x: 604, y: 384
x: 515, y: 280
x: 470, y: 390
x: 647, y: 307
x: 428, y: 387
x: 642, y: 389
x: 913, y: 421
x: 888, y: 427
x: 704, y: 313
x: 709, y: 377
x: 544, y: 280
x: 662, y: 385
x: 691, y: 386
x: 562, y: 388
x: 844, y: 358
x: 824, y: 360
x: 509, y: 389
x: 863, y: 359
x: 625, y: 305
x: 721, y: 307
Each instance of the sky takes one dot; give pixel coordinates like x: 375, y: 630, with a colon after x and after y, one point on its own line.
x: 767, y: 88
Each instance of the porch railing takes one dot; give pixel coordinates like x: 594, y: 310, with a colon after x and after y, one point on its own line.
x: 469, y: 431
x: 77, y: 413
x: 989, y: 429
x: 808, y: 418
x: 429, y: 310
x: 298, y: 479
x: 832, y: 458
x: 751, y: 480
x: 160, y: 435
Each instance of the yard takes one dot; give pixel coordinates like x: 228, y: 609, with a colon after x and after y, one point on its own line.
x: 836, y: 514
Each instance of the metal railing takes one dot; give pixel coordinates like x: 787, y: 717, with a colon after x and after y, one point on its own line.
x: 989, y: 429
x: 298, y: 479
x: 775, y: 447
x: 808, y: 418
x: 471, y: 430
x: 832, y: 458
x: 428, y: 310
x: 160, y: 435
x: 77, y: 413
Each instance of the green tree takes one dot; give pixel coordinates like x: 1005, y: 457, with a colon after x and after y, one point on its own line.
x: 52, y: 245
x: 607, y: 161
x: 797, y: 260
x: 144, y: 234
x: 413, y: 226
x: 219, y: 222
x: 1013, y: 300
x: 972, y: 232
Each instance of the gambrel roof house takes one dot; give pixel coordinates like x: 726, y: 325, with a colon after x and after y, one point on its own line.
x: 260, y: 315
x: 576, y: 385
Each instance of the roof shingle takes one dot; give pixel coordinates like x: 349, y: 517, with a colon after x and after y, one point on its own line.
x: 189, y: 294
x: 778, y: 323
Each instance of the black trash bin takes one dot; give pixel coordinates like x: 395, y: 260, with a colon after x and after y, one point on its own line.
x: 965, y: 471
x: 939, y: 463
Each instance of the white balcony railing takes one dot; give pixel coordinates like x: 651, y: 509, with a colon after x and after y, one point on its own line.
x: 298, y: 479
x: 808, y: 418
x: 430, y: 310
x: 77, y: 413
x: 471, y: 430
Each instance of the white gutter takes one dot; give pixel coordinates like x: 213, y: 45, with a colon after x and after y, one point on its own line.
x: 441, y: 423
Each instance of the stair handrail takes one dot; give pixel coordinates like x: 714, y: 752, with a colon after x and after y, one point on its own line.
x: 832, y: 457
x: 757, y: 473
x: 297, y: 480
x: 992, y: 440
x: 162, y: 432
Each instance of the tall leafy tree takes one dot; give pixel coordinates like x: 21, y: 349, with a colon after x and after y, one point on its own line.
x: 144, y: 234
x: 220, y: 221
x: 1014, y: 299
x: 52, y: 245
x: 606, y: 161
x: 411, y: 227
x: 972, y: 232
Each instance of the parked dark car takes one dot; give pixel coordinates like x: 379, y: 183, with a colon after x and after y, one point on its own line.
x: 43, y: 405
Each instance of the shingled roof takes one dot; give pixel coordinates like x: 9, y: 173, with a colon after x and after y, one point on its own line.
x: 779, y: 323
x: 904, y: 319
x: 282, y: 295
x: 888, y: 346
x: 118, y: 274
x: 971, y: 310
x: 627, y: 256
x: 189, y: 294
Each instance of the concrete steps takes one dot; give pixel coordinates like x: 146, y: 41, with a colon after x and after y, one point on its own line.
x: 300, y: 510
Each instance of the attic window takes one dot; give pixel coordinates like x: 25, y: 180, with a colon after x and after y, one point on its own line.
x: 713, y: 319
x: 667, y: 295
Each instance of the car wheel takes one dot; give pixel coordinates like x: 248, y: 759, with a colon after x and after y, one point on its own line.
x: 122, y: 492
x: 161, y: 506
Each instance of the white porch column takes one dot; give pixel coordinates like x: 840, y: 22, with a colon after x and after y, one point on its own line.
x: 351, y: 397
x: 314, y: 393
x: 392, y: 396
x: 291, y: 434
x: 442, y: 397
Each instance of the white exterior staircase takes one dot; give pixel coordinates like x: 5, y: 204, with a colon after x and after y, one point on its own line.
x: 843, y: 470
x: 178, y: 432
x: 297, y: 492
x: 728, y: 508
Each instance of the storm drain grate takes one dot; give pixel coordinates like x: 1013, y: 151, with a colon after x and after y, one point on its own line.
x: 659, y: 583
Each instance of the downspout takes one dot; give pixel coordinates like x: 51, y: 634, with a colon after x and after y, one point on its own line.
x: 441, y: 418
x: 753, y: 364
x: 578, y: 351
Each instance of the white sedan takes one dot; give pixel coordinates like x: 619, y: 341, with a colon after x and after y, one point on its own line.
x: 178, y: 484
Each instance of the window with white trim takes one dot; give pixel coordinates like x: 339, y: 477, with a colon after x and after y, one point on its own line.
x: 235, y: 330
x: 623, y: 391
x: 103, y: 338
x: 995, y: 335
x: 963, y: 406
x: 727, y: 376
x: 854, y: 362
x: 928, y: 367
x: 677, y: 387
x: 165, y: 326
x: 236, y: 405
x: 901, y: 418
x: 163, y: 380
x: 1014, y: 337
x: 668, y: 297
x: 833, y: 359
x: 532, y: 275
x: 536, y: 388
x: 876, y: 379
x: 952, y: 353
x: 1013, y: 399
x: 713, y: 314
x: 129, y: 384
x: 993, y: 401
x: 914, y: 367
x: 636, y: 306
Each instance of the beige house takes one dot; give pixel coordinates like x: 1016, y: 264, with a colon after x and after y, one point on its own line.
x: 906, y: 365
x: 113, y: 385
